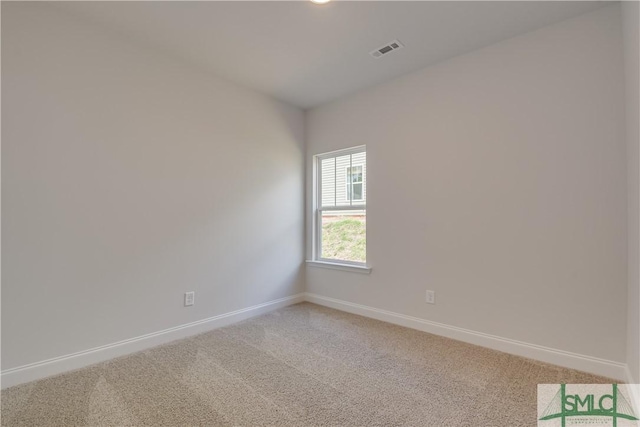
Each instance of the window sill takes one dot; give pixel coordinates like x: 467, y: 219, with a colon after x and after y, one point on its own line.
x: 337, y: 266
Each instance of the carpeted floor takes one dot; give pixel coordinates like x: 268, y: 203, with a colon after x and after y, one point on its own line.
x: 303, y: 365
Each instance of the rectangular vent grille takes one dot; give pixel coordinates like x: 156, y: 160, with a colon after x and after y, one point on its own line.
x: 387, y: 48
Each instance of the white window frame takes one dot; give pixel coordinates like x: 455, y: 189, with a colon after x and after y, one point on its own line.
x: 316, y: 238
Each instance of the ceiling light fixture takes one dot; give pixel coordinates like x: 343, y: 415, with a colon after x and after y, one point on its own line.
x: 320, y: 1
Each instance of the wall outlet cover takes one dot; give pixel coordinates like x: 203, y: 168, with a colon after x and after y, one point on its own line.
x: 431, y: 297
x: 189, y: 298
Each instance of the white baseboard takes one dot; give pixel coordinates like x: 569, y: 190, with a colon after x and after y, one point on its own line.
x: 69, y: 362
x: 607, y: 368
x: 57, y: 365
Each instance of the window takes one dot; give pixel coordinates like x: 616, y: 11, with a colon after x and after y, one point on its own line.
x: 340, y: 210
x: 354, y: 183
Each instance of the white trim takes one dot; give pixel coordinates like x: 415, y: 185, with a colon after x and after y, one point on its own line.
x: 57, y: 365
x: 594, y: 365
x: 342, y: 152
x: 316, y: 200
x: 359, y: 207
x: 354, y: 268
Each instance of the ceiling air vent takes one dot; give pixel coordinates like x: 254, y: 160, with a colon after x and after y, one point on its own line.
x: 387, y: 48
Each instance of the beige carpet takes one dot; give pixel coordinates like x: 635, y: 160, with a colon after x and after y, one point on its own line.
x: 303, y: 365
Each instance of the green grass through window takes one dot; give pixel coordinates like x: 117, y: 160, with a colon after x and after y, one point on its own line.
x: 344, y: 238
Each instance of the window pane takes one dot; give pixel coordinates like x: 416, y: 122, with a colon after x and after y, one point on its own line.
x: 328, y: 181
x: 344, y: 235
x: 337, y: 177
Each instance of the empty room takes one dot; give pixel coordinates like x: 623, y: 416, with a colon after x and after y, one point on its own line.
x: 320, y: 213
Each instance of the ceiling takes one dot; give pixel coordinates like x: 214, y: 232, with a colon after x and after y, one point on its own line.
x: 307, y: 54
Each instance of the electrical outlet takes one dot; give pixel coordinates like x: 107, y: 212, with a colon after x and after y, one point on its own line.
x: 189, y: 298
x: 431, y: 297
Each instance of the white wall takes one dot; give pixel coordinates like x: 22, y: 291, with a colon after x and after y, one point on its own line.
x: 497, y: 179
x: 129, y: 178
x: 631, y: 16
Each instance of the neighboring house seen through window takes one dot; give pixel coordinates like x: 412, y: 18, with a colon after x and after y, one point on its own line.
x: 340, y: 207
x: 354, y: 183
